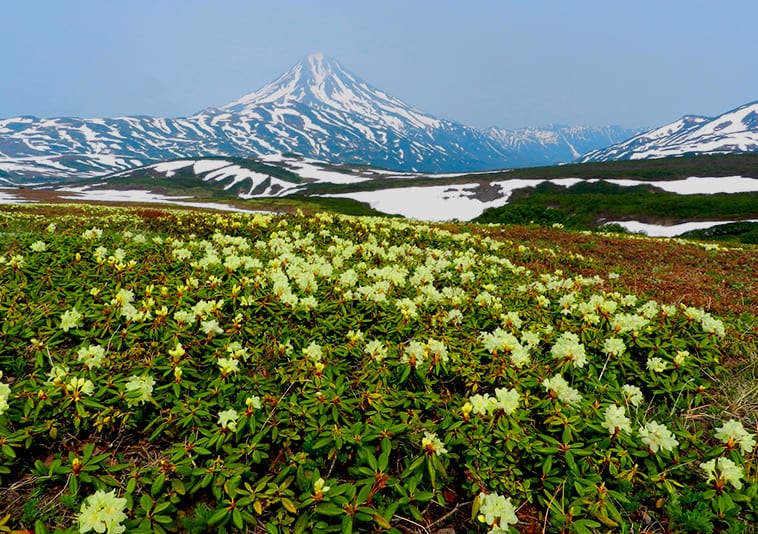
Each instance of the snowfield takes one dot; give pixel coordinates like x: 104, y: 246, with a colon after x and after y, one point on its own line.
x: 448, y: 202
x: 432, y: 203
x: 695, y: 185
x: 657, y: 230
x: 113, y: 195
x: 462, y: 202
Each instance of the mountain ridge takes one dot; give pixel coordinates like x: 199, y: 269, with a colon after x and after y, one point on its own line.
x: 317, y: 108
x: 733, y: 131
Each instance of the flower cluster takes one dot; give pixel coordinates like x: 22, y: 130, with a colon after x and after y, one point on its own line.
x: 71, y: 319
x: 139, y: 389
x: 569, y: 348
x: 506, y: 400
x: 416, y: 353
x: 632, y: 394
x: 559, y: 388
x: 5, y: 393
x: 102, y: 512
x: 432, y: 444
x: 728, y: 472
x: 376, y: 350
x: 227, y: 419
x: 615, y: 420
x: 91, y: 355
x: 732, y: 433
x: 497, y: 511
x: 504, y: 342
x: 707, y: 322
x: 657, y: 437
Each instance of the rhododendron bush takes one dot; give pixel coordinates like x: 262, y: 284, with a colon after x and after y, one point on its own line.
x: 190, y: 372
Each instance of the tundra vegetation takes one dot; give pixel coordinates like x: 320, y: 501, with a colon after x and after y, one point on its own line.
x: 180, y: 371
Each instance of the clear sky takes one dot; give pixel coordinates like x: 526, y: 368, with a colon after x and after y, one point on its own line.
x: 506, y: 63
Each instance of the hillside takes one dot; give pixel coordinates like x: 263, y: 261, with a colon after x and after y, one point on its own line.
x: 670, y: 191
x: 171, y: 370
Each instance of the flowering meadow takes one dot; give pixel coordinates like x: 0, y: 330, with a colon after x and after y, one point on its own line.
x: 179, y: 371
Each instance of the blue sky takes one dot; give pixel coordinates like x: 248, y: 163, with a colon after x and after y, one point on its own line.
x: 506, y: 63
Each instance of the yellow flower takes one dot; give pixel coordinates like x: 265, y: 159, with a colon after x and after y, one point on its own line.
x: 320, y: 487
x: 732, y: 432
x: 729, y: 472
x: 228, y: 419
x: 432, y: 444
x: 656, y: 436
x: 102, y: 512
x: 141, y: 388
x: 71, y: 319
x: 615, y: 420
x: 228, y: 366
x: 177, y: 351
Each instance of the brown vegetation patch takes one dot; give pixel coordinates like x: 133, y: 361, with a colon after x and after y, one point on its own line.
x: 722, y: 281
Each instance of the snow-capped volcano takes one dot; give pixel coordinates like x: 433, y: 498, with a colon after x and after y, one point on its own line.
x: 317, y: 109
x: 733, y: 131
x: 323, y: 83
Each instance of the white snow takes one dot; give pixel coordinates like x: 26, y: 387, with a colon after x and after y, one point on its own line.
x: 434, y: 203
x: 112, y: 195
x: 657, y: 230
x: 170, y: 167
x: 309, y: 169
x: 445, y: 202
x: 8, y: 198
x: 237, y: 174
x: 696, y: 185
x: 318, y: 173
x: 205, y: 165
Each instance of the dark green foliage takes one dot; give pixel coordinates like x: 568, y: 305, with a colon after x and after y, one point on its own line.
x: 740, y: 232
x: 589, y: 205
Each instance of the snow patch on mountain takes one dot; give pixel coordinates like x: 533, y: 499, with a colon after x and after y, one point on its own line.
x: 169, y: 168
x: 733, y: 131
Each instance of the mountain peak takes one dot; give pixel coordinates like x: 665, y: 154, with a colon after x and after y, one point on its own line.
x: 314, y: 79
x: 322, y: 83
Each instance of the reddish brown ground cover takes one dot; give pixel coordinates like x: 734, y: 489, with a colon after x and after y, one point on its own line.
x: 723, y: 281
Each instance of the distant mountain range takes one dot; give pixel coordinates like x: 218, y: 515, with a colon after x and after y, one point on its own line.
x: 316, y: 109
x: 731, y: 132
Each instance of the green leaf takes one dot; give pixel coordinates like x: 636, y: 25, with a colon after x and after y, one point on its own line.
x: 303, y: 524
x: 570, y: 463
x: 220, y: 516
x: 383, y: 523
x: 40, y: 527
x: 289, y: 505
x: 178, y: 486
x: 237, y: 519
x: 347, y: 524
x: 328, y: 508
x: 547, y: 464
x: 384, y: 457
x: 418, y: 462
x: 163, y: 519
x: 157, y: 485
x: 145, y: 502
x: 363, y: 494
